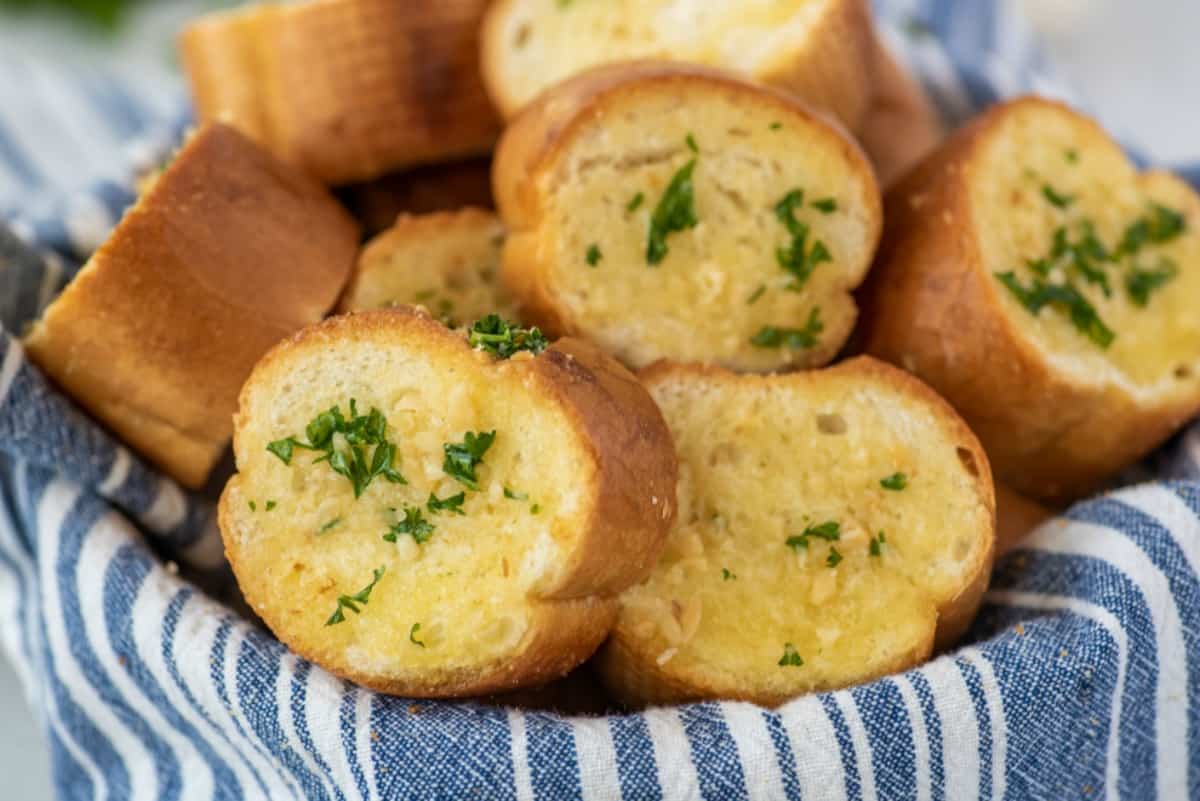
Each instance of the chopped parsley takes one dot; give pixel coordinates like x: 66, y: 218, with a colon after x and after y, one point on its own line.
x: 775, y: 126
x: 798, y: 258
x: 1063, y: 296
x: 728, y: 575
x: 1159, y: 227
x: 1057, y: 200
x: 834, y: 557
x: 635, y: 203
x: 450, y: 505
x: 502, y: 338
x: 513, y: 495
x: 676, y: 212
x: 1072, y: 156
x: 791, y: 657
x: 594, y: 255
x: 414, y: 525
x: 412, y: 635
x: 877, y: 544
x: 795, y: 338
x: 270, y: 505
x: 253, y: 506
x: 830, y: 531
x: 360, y: 433
x: 352, y: 602
x: 329, y: 526
x: 895, y: 482
x: 1140, y: 283
x: 691, y: 143
x: 825, y: 205
x: 462, y: 458
x: 535, y: 509
x: 758, y: 293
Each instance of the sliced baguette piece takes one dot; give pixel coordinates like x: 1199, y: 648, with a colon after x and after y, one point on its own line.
x: 448, y: 262
x: 1062, y: 400
x: 901, y: 125
x: 820, y: 50
x: 574, y: 498
x: 421, y: 190
x: 586, y: 176
x: 733, y: 610
x: 346, y: 89
x: 157, y: 332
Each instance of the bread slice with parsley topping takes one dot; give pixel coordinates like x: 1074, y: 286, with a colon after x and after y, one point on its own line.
x: 821, y: 50
x: 448, y: 262
x: 833, y: 526
x: 674, y: 212
x: 436, y: 520
x: 346, y: 89
x: 1049, y: 291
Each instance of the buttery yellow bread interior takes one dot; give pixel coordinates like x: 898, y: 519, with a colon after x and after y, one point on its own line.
x: 1071, y: 339
x: 434, y: 516
x: 448, y: 262
x: 821, y: 50
x: 833, y: 526
x: 202, y: 275
x: 347, y: 89
x: 673, y: 212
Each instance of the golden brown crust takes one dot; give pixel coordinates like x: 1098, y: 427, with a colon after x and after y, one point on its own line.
x: 205, y: 273
x: 620, y: 540
x: 901, y: 126
x: 830, y: 69
x: 421, y: 190
x: 346, y: 89
x: 1016, y: 517
x: 930, y: 306
x: 636, y: 678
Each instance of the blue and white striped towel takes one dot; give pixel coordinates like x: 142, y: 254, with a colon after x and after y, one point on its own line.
x: 1081, y: 679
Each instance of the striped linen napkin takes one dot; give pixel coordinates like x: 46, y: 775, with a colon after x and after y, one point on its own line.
x: 1080, y: 680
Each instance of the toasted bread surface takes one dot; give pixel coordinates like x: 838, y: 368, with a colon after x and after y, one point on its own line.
x: 1032, y: 276
x: 820, y: 50
x: 420, y: 190
x: 669, y: 211
x: 202, y: 275
x: 346, y: 89
x: 566, y: 505
x: 448, y: 262
x: 833, y: 526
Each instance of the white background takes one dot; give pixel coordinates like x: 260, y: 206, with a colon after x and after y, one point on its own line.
x: 1138, y: 63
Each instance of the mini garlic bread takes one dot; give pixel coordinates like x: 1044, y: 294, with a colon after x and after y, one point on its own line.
x: 436, y: 516
x: 1049, y: 291
x: 673, y: 212
x: 347, y: 89
x: 447, y: 262
x: 201, y: 276
x: 820, y: 50
x: 833, y: 526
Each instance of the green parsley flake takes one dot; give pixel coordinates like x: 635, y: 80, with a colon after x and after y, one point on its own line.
x: 360, y: 433
x: 270, y: 505
x: 795, y: 338
x: 352, y: 602
x: 691, y: 143
x: 1065, y: 297
x: 515, y: 496
x: 1140, y: 283
x: 758, y: 293
x: 253, y: 506
x: 830, y: 531
x: 412, y: 635
x: 635, y: 203
x: 535, y: 509
x: 414, y: 525
x: 1057, y: 200
x: 728, y: 575
x: 798, y: 258
x: 502, y: 338
x: 462, y: 458
x: 825, y: 205
x: 594, y: 255
x: 676, y: 212
x: 450, y: 505
x: 775, y: 126
x: 894, y: 482
x: 791, y: 657
x: 877, y: 544
x: 327, y: 527
x: 1072, y: 156
x: 834, y: 557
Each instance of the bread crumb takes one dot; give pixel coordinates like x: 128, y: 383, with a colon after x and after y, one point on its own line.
x: 666, y: 656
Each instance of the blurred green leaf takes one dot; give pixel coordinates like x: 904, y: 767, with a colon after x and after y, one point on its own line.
x: 107, y: 14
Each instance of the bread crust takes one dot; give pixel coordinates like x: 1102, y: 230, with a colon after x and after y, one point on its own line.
x: 346, y: 89
x: 636, y: 679
x: 533, y: 143
x: 901, y: 126
x: 621, y: 539
x: 830, y: 69
x: 205, y: 273
x: 930, y: 306
x: 421, y: 190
